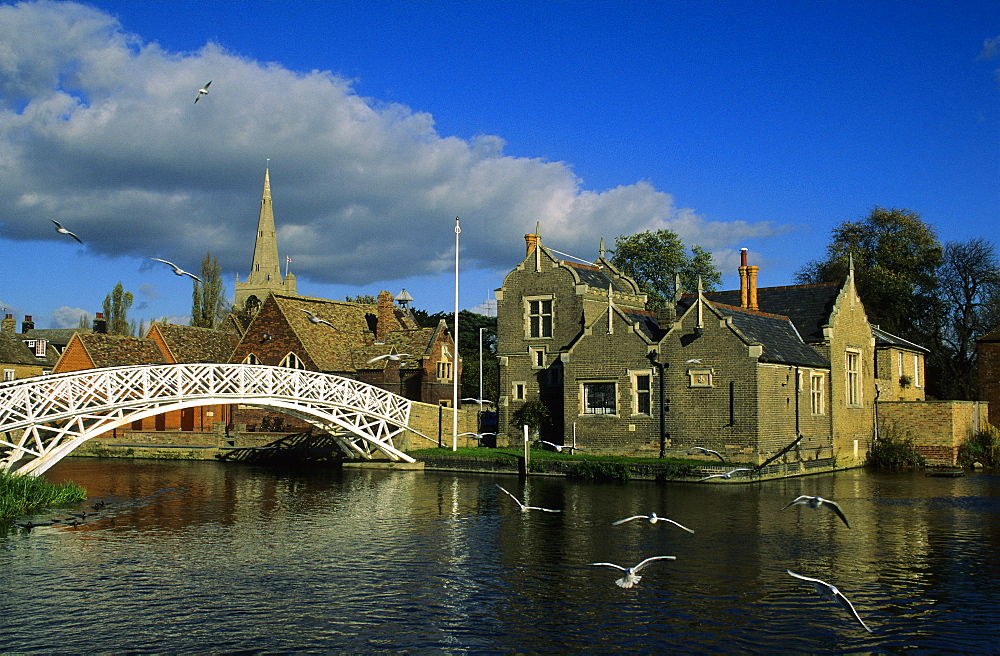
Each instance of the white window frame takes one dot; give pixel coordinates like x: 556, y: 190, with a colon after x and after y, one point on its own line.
x: 637, y: 393
x: 817, y: 393
x: 9, y: 374
x: 852, y: 377
x: 544, y: 330
x: 589, y: 391
x: 916, y: 371
x: 40, y: 348
x: 292, y: 361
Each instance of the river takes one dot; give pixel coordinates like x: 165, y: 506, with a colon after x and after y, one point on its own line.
x: 208, y: 557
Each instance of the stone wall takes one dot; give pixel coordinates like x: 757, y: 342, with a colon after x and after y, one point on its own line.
x: 938, y: 428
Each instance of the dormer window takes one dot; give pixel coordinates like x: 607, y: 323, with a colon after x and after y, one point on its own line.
x: 251, y: 359
x: 40, y: 348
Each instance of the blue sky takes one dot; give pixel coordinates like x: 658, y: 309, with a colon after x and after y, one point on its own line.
x: 735, y: 124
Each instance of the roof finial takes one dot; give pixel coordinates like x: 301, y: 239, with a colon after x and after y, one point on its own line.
x: 850, y: 261
x: 601, y: 251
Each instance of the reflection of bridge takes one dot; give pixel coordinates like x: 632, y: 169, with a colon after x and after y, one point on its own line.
x: 43, y: 419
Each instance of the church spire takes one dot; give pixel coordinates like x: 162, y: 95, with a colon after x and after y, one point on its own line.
x: 265, y: 269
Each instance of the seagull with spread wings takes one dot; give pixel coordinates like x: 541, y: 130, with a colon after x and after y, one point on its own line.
x: 708, y: 452
x: 525, y: 508
x: 63, y: 231
x: 394, y: 357
x: 820, y: 502
x: 203, y: 91
x: 727, y: 475
x: 559, y: 448
x: 653, y: 518
x: 831, y: 593
x: 632, y: 577
x: 315, y: 319
x: 177, y: 270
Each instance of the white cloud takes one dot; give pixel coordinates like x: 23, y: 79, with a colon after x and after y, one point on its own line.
x: 100, y: 130
x: 69, y: 317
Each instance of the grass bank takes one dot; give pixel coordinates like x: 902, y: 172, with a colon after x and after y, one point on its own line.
x: 22, y: 495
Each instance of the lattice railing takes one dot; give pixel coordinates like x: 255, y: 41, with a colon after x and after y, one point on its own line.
x: 42, y: 419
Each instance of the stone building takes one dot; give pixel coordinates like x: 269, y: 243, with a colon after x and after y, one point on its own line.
x: 743, y: 372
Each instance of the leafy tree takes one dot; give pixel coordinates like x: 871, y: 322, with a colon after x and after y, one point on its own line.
x: 364, y: 299
x: 469, y: 324
x: 208, y: 304
x: 896, y: 257
x: 655, y: 258
x: 116, y: 306
x: 969, y: 284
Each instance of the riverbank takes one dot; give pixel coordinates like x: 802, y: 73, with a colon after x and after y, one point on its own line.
x: 22, y: 495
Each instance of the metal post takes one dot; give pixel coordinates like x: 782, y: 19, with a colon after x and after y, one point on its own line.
x: 526, y: 449
x: 454, y: 358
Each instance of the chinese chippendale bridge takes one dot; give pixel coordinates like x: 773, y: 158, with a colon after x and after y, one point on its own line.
x: 43, y: 419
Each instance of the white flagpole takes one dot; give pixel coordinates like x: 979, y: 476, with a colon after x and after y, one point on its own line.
x: 454, y: 359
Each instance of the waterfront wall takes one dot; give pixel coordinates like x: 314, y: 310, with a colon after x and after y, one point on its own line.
x: 938, y: 428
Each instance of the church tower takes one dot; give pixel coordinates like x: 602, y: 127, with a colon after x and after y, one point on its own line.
x: 265, y: 270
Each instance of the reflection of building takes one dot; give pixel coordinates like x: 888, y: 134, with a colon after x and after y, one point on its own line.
x: 742, y: 372
x: 265, y: 270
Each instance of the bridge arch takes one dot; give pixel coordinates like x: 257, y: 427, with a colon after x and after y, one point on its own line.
x: 43, y: 419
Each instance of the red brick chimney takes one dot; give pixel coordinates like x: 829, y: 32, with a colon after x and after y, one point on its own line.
x: 530, y: 241
x: 386, y: 315
x: 100, y: 324
x: 27, y: 324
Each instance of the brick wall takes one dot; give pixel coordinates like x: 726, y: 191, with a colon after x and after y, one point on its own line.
x: 989, y: 375
x: 938, y: 428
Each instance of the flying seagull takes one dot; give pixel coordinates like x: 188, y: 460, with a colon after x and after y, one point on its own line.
x: 632, y: 573
x: 693, y: 361
x: 390, y: 356
x: 177, y: 270
x: 525, y: 508
x: 314, y: 319
x: 820, y: 502
x: 63, y: 231
x: 203, y: 91
x: 727, y: 475
x: 831, y: 593
x: 559, y: 448
x: 653, y: 518
x: 708, y: 452
x: 478, y: 436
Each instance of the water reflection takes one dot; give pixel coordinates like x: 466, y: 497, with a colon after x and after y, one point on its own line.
x: 225, y: 557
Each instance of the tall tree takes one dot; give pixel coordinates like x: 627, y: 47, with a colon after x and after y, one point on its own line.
x: 116, y: 306
x: 469, y: 324
x: 896, y: 256
x: 654, y: 258
x: 208, y: 299
x: 969, y: 284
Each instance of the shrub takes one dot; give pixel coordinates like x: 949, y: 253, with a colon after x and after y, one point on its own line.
x: 601, y: 471
x: 982, y: 447
x: 893, y: 448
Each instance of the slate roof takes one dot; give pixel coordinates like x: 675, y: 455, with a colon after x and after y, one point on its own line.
x: 120, y: 350
x: 808, y: 306
x: 646, y: 322
x: 55, y: 336
x: 778, y: 335
x: 992, y: 336
x: 192, y: 344
x: 885, y: 339
x: 595, y: 277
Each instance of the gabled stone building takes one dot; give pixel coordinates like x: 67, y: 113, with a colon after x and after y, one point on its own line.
x: 743, y: 372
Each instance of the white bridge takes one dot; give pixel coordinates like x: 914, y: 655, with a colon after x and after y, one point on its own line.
x: 42, y: 419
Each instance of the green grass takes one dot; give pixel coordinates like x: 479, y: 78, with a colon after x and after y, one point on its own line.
x: 22, y: 495
x: 508, y: 454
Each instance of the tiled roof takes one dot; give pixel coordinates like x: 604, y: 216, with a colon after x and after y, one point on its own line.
x: 120, y: 350
x: 781, y: 341
x: 808, y: 306
x: 331, y: 348
x: 885, y: 339
x: 415, y: 341
x: 13, y: 351
x: 191, y: 344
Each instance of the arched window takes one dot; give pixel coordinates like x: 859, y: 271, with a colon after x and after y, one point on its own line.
x: 251, y: 359
x: 293, y: 361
